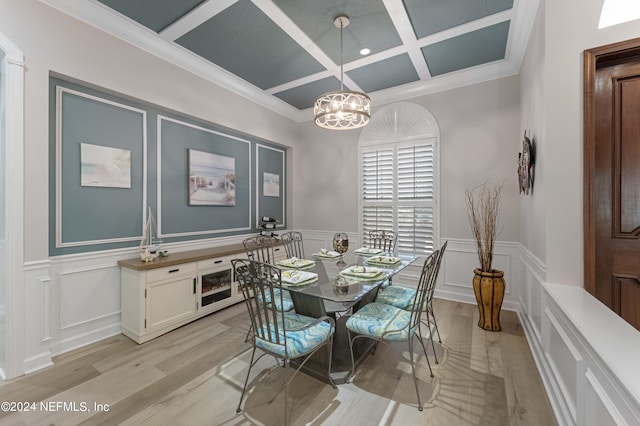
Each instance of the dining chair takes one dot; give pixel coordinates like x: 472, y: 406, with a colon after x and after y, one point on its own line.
x: 284, y: 335
x: 404, y: 297
x: 260, y: 249
x: 293, y: 244
x: 384, y: 240
x: 385, y: 323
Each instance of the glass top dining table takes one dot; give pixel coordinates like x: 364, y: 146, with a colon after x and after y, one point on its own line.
x: 335, y: 290
x: 335, y: 294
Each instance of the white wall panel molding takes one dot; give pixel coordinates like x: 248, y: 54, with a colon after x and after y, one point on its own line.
x: 585, y: 354
x: 94, y: 293
x: 565, y: 361
x: 533, y: 276
x: 37, y: 316
x: 599, y: 409
x: 460, y: 260
x: 13, y: 70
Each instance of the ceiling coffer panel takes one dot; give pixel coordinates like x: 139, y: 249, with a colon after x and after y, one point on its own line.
x: 302, y: 97
x: 244, y: 41
x: 153, y: 14
x: 432, y: 16
x: 370, y: 25
x: 468, y: 50
x: 384, y: 74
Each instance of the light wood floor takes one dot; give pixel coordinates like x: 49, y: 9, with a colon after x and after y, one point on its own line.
x: 194, y: 375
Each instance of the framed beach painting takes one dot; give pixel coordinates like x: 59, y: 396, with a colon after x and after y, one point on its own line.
x: 212, y: 179
x: 271, y: 185
x: 104, y: 166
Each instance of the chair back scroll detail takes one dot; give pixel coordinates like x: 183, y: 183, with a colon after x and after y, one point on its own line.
x: 260, y: 249
x: 384, y: 240
x: 293, y: 244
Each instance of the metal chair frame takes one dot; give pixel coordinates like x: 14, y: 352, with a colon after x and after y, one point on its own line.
x: 268, y: 323
x: 425, y: 285
x: 428, y: 308
x: 384, y: 240
x: 260, y: 248
x: 293, y: 244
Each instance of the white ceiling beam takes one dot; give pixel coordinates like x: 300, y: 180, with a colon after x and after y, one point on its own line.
x: 193, y: 19
x: 299, y: 36
x: 400, y: 19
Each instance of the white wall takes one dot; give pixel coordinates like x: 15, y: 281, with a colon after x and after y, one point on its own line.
x: 532, y: 207
x: 479, y: 141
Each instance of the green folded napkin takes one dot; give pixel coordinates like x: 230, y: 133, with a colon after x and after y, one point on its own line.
x: 368, y: 251
x: 298, y: 277
x: 364, y: 272
x: 294, y: 262
x: 383, y: 260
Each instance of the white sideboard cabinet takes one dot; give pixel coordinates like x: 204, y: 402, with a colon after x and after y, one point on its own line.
x: 166, y: 293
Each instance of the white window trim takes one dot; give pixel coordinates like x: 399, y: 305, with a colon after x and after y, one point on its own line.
x: 401, y: 124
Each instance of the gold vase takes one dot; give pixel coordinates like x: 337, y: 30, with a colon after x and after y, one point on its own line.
x: 489, y: 290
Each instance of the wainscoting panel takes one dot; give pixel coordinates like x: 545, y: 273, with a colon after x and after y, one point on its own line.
x: 87, y: 295
x: 37, y: 315
x: 565, y: 361
x: 599, y: 409
x: 456, y: 272
x: 85, y: 299
x: 586, y: 355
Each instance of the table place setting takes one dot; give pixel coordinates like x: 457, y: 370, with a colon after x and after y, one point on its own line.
x: 383, y: 260
x: 367, y: 251
x: 363, y: 272
x: 297, y: 277
x: 294, y: 262
x: 327, y: 254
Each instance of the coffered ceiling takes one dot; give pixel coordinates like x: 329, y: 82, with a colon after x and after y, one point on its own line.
x: 283, y: 54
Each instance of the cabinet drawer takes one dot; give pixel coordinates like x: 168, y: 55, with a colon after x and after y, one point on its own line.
x: 223, y: 261
x: 279, y: 253
x: 171, y: 271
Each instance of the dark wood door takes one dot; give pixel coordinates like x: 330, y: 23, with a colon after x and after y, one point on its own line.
x: 615, y: 185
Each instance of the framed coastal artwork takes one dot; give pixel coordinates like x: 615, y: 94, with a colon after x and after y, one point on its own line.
x: 212, y: 179
x: 270, y: 185
x: 104, y: 166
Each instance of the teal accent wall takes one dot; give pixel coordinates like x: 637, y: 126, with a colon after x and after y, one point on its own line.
x: 91, y: 218
x: 177, y: 216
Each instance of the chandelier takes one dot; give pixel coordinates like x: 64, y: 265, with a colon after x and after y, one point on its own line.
x: 343, y: 109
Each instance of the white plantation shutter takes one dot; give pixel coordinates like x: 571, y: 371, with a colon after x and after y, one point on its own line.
x: 377, y: 176
x: 398, y: 193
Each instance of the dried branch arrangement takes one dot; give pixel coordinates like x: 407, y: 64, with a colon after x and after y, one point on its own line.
x: 483, y: 208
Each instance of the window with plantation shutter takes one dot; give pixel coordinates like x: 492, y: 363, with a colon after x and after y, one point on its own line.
x: 398, y: 193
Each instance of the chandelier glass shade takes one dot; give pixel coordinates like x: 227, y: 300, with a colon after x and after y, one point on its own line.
x: 342, y: 109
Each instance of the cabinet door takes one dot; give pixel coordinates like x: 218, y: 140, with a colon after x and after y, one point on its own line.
x: 170, y: 301
x: 215, y: 287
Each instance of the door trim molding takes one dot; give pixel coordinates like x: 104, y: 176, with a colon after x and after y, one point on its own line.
x: 592, y: 58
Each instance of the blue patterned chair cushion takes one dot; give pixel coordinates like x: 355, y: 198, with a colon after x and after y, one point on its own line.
x: 298, y: 342
x: 398, y: 296
x: 381, y: 321
x: 287, y: 302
